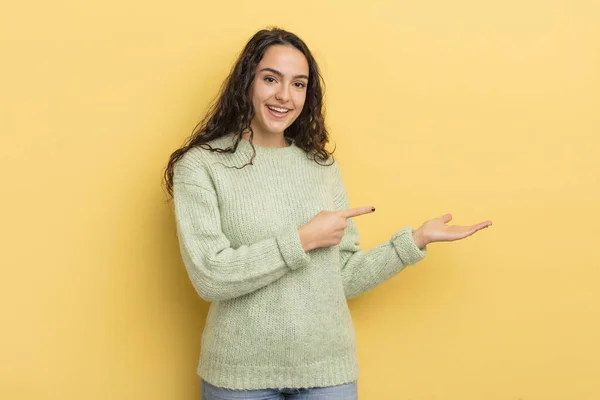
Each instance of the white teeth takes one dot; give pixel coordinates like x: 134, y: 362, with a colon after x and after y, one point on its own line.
x: 283, y: 110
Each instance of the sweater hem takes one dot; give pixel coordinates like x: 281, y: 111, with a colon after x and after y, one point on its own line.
x: 254, y: 377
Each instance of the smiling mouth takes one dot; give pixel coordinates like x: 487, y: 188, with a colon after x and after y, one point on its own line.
x: 280, y: 110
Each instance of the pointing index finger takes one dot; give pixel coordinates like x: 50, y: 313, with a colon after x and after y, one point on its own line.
x: 355, y: 212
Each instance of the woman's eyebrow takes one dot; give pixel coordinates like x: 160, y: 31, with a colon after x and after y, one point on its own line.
x: 281, y: 75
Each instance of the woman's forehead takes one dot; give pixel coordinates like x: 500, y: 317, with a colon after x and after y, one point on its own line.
x: 287, y: 60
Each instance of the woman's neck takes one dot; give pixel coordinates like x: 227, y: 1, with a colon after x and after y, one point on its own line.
x: 267, y: 140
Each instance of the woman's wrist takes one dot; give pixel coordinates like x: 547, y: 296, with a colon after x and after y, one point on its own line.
x: 419, y: 238
x: 305, y: 240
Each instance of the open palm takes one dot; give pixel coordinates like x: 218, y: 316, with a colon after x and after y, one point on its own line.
x: 436, y: 230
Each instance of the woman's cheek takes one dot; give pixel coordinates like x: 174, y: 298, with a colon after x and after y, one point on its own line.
x: 300, y: 105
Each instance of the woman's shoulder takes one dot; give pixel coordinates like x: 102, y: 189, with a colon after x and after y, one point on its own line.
x: 202, y: 153
x: 198, y: 159
x: 330, y: 163
x: 191, y: 164
x: 191, y: 159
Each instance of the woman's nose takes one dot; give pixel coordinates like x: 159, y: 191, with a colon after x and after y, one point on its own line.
x: 283, y: 93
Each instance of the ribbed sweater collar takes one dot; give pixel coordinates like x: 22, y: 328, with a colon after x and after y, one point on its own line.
x: 244, y: 147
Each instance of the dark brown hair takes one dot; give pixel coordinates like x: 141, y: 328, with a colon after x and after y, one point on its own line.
x: 232, y: 111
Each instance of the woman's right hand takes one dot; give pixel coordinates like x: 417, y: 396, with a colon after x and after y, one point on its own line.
x: 327, y: 227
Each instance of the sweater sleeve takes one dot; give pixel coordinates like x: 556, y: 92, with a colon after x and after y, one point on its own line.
x: 363, y: 270
x: 217, y: 271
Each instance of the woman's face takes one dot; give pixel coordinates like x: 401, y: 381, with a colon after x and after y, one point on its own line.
x: 279, y: 88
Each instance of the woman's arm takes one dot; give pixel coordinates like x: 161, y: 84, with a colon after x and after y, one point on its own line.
x: 218, y: 271
x: 363, y: 270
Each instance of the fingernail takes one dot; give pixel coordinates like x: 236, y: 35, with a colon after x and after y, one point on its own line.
x: 372, y: 208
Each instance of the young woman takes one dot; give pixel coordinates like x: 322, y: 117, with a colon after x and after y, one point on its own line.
x: 267, y: 237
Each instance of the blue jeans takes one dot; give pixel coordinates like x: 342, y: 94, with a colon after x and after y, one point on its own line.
x: 347, y: 391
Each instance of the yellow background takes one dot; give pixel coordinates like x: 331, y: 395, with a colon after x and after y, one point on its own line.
x: 487, y: 110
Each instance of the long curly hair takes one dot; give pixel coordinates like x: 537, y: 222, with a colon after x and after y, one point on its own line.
x: 232, y: 111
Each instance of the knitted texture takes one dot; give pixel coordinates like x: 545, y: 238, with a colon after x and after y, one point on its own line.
x: 278, y: 316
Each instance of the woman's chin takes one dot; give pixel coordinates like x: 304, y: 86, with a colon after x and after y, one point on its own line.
x: 277, y: 128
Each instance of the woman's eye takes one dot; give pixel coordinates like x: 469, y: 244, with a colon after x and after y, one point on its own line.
x: 300, y: 85
x: 269, y: 79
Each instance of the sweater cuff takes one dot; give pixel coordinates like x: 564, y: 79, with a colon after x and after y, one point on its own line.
x: 406, y: 248
x: 291, y: 248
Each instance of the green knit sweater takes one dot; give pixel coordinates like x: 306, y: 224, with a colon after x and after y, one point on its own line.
x: 278, y: 316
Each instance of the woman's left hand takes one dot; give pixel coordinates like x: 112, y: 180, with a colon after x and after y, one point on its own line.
x: 436, y: 230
